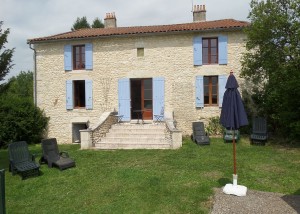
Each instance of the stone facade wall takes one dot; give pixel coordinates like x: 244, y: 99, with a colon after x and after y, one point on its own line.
x: 168, y: 56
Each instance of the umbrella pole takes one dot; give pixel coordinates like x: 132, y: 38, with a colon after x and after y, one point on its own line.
x: 234, y: 154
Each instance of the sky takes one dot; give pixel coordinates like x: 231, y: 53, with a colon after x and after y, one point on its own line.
x: 29, y: 19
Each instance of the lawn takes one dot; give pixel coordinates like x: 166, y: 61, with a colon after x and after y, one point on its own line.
x: 150, y: 181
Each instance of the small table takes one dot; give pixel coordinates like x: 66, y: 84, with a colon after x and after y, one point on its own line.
x: 139, y: 114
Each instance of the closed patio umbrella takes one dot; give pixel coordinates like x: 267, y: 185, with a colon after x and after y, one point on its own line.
x: 233, y: 116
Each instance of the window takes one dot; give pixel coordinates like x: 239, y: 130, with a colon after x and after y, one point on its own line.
x: 79, y: 57
x: 210, y: 90
x: 140, y: 52
x: 79, y: 93
x: 210, y: 50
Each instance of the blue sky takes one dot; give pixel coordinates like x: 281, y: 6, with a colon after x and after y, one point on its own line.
x: 36, y: 18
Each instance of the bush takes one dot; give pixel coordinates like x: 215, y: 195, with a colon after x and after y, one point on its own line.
x: 20, y: 120
x: 214, y: 127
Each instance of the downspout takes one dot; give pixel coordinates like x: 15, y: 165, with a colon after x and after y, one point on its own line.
x: 34, y: 76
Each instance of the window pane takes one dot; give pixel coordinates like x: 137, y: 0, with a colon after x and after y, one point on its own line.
x: 148, y: 84
x: 214, y: 59
x: 206, y: 90
x: 213, y: 42
x: 148, y: 94
x: 214, y: 80
x: 214, y: 99
x: 206, y: 80
x: 148, y: 104
x: 213, y: 51
x: 205, y: 43
x: 206, y: 99
x: 205, y: 59
x: 214, y: 89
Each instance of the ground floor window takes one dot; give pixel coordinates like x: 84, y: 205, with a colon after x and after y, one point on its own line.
x: 210, y: 90
x: 79, y: 93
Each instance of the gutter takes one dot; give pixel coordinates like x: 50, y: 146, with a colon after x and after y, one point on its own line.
x: 34, y: 75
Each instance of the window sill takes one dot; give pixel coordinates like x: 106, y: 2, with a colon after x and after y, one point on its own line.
x: 78, y: 71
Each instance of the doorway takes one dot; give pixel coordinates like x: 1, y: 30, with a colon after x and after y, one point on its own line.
x: 141, y: 98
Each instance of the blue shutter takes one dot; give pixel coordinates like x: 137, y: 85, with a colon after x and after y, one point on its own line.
x: 68, y: 57
x: 158, y: 95
x: 223, y: 50
x: 124, y: 98
x: 199, y: 92
x: 89, y: 56
x: 89, y: 94
x: 222, y: 84
x: 69, y: 94
x: 197, y: 50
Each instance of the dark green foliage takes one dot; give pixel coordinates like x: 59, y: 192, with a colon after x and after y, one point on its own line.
x: 5, y: 54
x: 19, y: 118
x: 97, y: 23
x: 272, y: 64
x: 80, y: 23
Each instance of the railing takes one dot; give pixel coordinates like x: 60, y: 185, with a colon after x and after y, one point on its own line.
x: 94, y: 134
x: 174, y: 136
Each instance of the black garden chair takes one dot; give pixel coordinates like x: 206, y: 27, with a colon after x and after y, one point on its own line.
x: 21, y: 161
x: 53, y: 157
x: 200, y: 137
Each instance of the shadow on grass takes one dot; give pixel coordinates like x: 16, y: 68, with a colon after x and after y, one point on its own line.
x: 224, y: 181
x: 293, y: 200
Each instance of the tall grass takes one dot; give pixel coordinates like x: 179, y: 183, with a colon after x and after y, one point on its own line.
x: 150, y: 181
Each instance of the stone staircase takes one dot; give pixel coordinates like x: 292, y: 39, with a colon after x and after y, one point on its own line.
x: 135, y: 136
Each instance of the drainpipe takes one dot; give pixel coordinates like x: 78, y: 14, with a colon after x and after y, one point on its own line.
x: 34, y: 76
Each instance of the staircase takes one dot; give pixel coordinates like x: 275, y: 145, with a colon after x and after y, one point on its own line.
x: 135, y: 136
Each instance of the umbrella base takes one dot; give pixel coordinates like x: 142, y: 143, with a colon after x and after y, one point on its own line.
x: 237, y: 190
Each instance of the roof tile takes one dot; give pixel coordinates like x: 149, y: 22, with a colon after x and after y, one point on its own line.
x: 119, y: 31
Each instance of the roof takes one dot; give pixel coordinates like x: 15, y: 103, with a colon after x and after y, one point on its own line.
x: 224, y: 24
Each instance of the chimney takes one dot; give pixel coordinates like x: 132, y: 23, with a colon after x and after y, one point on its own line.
x: 199, y: 13
x: 110, y: 20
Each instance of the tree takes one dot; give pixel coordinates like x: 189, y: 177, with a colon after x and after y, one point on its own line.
x: 97, y: 23
x: 5, y: 54
x: 19, y: 118
x: 272, y: 63
x: 80, y: 23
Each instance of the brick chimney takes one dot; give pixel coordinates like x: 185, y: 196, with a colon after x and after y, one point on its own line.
x: 110, y: 20
x: 199, y: 13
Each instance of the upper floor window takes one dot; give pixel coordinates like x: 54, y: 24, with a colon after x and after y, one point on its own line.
x: 210, y: 50
x: 78, y: 57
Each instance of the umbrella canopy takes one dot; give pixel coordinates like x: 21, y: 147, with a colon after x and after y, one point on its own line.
x: 233, y: 114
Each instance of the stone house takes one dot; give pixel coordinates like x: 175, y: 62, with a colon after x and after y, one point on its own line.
x: 82, y: 77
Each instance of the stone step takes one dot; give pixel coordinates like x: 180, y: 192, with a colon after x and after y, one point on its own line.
x: 138, y: 127
x: 137, y: 131
x: 135, y: 134
x: 131, y: 145
x: 142, y: 139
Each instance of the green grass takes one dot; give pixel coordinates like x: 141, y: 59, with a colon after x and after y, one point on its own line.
x: 150, y: 181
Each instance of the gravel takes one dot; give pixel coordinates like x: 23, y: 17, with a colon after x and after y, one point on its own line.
x: 255, y: 202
